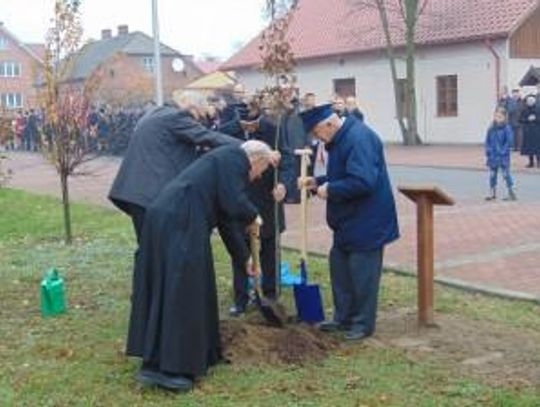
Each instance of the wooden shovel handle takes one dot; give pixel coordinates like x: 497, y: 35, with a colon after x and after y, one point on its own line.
x: 255, y: 248
x: 304, y: 154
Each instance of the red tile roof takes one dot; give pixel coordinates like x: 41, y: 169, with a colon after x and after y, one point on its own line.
x: 332, y: 27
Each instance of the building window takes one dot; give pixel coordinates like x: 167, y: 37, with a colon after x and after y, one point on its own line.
x: 345, y: 87
x: 447, y: 96
x: 10, y: 69
x: 403, y: 100
x: 148, y: 63
x: 3, y: 44
x: 11, y: 100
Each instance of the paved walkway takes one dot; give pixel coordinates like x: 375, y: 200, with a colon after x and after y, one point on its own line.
x: 460, y: 156
x: 486, y: 245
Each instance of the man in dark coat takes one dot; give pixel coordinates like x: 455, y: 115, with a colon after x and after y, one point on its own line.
x: 513, y: 105
x: 264, y: 194
x: 360, y: 211
x: 530, y: 120
x: 31, y: 132
x: 235, y: 112
x: 292, y: 130
x: 174, y: 324
x: 164, y: 143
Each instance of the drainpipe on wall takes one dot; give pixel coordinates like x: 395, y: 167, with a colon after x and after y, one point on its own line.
x: 497, y: 58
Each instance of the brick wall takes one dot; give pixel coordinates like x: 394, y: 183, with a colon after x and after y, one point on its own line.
x: 23, y: 84
x: 124, y: 80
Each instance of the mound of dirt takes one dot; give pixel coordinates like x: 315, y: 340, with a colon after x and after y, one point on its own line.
x: 249, y: 342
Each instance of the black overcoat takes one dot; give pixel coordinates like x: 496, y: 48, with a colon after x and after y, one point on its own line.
x: 531, y: 131
x: 164, y: 143
x: 174, y: 319
x: 260, y: 191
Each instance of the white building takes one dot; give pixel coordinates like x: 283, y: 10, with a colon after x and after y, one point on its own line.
x: 467, y: 51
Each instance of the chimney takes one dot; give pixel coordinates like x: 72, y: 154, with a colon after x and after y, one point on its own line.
x: 123, y: 29
x: 106, y: 34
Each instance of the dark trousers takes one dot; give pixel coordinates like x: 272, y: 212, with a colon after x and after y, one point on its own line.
x: 531, y: 160
x: 493, y: 176
x: 268, y: 268
x: 355, y: 278
x: 518, y: 137
x: 293, y: 193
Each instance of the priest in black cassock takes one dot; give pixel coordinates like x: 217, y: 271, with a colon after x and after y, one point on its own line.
x: 174, y: 323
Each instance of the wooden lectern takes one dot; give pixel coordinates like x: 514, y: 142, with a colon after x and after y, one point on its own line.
x: 425, y: 198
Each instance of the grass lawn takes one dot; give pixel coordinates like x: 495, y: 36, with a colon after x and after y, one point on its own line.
x: 77, y: 359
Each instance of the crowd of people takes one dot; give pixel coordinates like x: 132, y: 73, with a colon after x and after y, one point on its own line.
x: 515, y: 126
x: 192, y: 167
x: 107, y: 130
x: 523, y: 117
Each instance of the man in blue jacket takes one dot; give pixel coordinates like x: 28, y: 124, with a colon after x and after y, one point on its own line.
x: 360, y: 211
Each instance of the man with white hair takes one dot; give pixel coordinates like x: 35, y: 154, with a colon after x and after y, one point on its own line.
x: 165, y: 141
x: 361, y: 213
x: 174, y: 324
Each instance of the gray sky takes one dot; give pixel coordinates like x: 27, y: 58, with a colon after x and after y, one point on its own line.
x: 194, y: 27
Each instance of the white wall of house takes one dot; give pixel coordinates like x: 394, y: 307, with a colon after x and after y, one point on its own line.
x: 473, y: 63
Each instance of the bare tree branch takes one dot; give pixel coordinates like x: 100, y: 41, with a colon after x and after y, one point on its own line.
x: 66, y: 105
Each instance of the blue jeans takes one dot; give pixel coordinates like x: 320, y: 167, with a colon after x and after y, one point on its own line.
x: 355, y: 278
x: 493, y: 175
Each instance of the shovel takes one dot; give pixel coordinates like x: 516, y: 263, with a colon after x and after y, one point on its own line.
x: 306, y: 296
x: 273, y: 312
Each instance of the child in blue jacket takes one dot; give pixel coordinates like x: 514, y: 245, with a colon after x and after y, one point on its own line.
x: 499, y: 141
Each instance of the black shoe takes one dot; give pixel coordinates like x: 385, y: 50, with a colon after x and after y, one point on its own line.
x: 492, y: 195
x: 356, y: 335
x: 332, y: 326
x: 166, y: 381
x: 237, y: 310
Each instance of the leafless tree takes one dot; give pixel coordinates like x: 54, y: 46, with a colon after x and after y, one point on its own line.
x: 407, y: 14
x: 65, y: 104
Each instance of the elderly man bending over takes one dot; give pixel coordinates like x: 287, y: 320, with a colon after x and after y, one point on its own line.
x: 174, y: 324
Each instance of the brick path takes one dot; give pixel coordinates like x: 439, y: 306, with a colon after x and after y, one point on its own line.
x: 493, y: 246
x: 467, y: 157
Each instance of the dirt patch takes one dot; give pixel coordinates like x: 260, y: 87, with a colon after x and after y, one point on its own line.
x: 499, y: 355
x: 253, y: 343
x: 493, y: 353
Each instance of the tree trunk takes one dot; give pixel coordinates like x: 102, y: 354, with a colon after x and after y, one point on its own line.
x: 392, y: 59
x: 66, y: 206
x: 411, y: 10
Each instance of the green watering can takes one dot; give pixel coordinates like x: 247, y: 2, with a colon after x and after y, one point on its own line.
x: 53, y: 301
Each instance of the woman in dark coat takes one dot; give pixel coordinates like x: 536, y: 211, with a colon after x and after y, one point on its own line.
x: 530, y: 119
x: 174, y: 324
